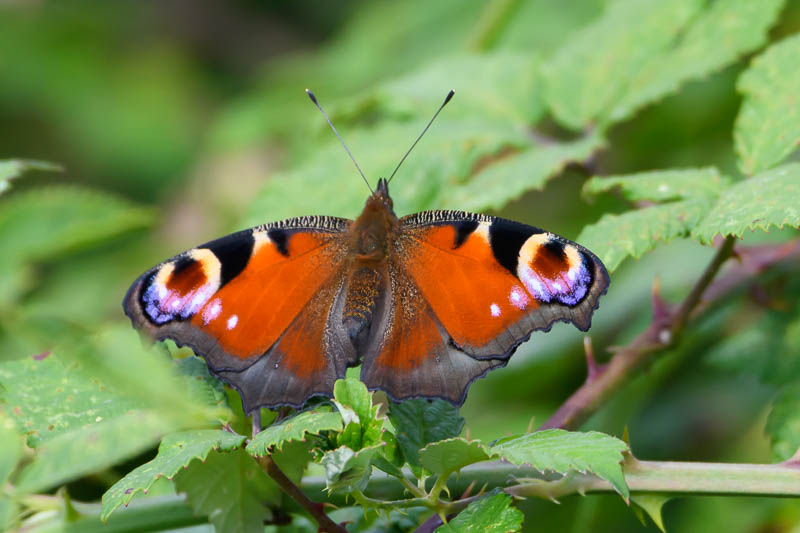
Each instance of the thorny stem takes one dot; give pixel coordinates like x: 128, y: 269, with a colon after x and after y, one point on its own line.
x: 663, y: 332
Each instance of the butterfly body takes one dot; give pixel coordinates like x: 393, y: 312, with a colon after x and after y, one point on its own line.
x: 425, y: 304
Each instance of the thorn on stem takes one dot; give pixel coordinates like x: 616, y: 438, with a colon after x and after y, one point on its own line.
x: 468, y: 490
x: 661, y: 310
x: 593, y: 369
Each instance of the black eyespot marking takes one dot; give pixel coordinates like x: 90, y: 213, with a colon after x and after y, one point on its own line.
x: 464, y: 229
x: 280, y: 239
x: 233, y: 252
x: 588, y: 267
x: 183, y: 262
x: 507, y: 238
x: 556, y: 249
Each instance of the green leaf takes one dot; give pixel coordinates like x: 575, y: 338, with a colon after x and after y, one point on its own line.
x: 48, y: 397
x: 231, y: 489
x: 564, y: 451
x: 89, y: 449
x: 510, y: 176
x: 448, y: 154
x: 451, y: 455
x: 419, y: 422
x: 294, y: 429
x: 10, y: 448
x: 491, y: 513
x: 293, y: 458
x: 147, y: 375
x: 767, y: 129
x: 14, y: 168
x: 44, y: 222
x: 767, y: 199
x: 616, y: 237
x: 501, y: 85
x: 363, y: 426
x: 352, y: 393
x: 783, y: 423
x: 176, y: 452
x: 346, y: 470
x: 203, y: 388
x: 591, y: 72
x: 662, y: 185
x: 652, y: 504
x: 715, y: 38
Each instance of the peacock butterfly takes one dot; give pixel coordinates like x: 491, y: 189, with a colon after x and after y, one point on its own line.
x: 426, y: 303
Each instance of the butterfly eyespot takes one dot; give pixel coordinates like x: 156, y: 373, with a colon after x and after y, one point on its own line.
x: 179, y: 289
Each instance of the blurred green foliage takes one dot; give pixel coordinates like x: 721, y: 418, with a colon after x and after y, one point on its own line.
x: 177, y: 122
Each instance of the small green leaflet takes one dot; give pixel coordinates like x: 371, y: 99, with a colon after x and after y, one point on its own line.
x: 633, y: 233
x: 491, y: 513
x: 294, y: 429
x: 767, y: 129
x: 419, y: 422
x: 451, y: 455
x: 231, y: 489
x: 176, y: 451
x: 346, y: 470
x: 565, y: 451
x: 662, y: 185
x: 767, y: 199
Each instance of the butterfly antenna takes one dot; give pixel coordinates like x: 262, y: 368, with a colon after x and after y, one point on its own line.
x: 353, y: 159
x: 446, y: 99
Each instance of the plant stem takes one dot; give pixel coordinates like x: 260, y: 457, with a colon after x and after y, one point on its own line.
x: 686, y: 478
x: 289, y: 487
x: 664, y: 331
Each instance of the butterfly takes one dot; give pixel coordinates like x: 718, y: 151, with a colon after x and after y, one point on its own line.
x: 426, y: 303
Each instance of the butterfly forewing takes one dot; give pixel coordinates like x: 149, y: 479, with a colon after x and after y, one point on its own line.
x: 491, y: 282
x: 256, y: 296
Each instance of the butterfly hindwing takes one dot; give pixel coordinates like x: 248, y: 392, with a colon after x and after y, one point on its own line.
x: 256, y: 300
x: 491, y: 282
x: 411, y: 355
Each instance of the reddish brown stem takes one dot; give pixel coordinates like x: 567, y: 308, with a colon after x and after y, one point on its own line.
x: 665, y: 329
x: 289, y: 487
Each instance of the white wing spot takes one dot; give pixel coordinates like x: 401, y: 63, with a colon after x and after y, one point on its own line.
x: 518, y: 298
x: 232, y: 321
x: 495, y: 309
x: 212, y: 311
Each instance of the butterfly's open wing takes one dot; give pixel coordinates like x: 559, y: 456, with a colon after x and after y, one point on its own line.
x: 255, y: 304
x: 411, y: 354
x: 492, y: 282
x: 482, y: 285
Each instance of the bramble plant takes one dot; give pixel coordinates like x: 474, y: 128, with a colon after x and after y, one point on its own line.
x: 84, y: 403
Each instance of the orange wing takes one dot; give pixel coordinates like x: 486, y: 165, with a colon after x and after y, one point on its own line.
x: 255, y: 304
x: 412, y: 355
x: 492, y: 282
